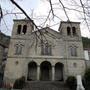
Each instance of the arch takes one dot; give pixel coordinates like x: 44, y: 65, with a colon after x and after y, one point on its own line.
x: 68, y: 31
x: 32, y: 71
x: 19, y: 29
x: 59, y: 71
x: 24, y: 29
x: 46, y: 69
x: 74, y: 30
x: 73, y: 50
x: 18, y: 49
x: 46, y: 49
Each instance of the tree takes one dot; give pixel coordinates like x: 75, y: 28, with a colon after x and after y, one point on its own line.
x: 87, y: 79
x: 19, y: 83
x: 71, y: 82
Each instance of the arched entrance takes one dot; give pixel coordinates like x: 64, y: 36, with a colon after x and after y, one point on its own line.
x: 59, y: 71
x: 45, y: 68
x: 32, y: 71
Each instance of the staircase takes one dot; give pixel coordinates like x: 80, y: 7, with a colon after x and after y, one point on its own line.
x: 45, y: 85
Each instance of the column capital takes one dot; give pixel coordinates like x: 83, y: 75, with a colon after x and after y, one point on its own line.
x: 53, y: 65
x: 38, y: 65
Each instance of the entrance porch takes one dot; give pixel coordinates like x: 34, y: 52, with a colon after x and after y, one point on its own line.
x: 45, y: 72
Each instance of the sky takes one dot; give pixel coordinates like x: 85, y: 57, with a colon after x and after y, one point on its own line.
x: 38, y: 10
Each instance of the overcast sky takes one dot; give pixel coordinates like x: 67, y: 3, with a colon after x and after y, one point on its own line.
x: 38, y: 10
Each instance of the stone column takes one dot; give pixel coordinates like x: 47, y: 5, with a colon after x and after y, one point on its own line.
x: 38, y: 72
x: 53, y: 73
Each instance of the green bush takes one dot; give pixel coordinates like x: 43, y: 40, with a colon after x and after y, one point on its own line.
x: 87, y: 79
x: 71, y: 82
x: 19, y: 83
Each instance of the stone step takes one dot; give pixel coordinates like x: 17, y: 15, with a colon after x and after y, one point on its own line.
x: 45, y: 85
x: 44, y: 88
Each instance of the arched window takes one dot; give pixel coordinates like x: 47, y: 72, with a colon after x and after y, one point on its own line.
x: 24, y: 29
x: 74, y: 30
x: 73, y: 50
x: 19, y: 29
x: 18, y: 49
x: 46, y: 49
x: 68, y: 31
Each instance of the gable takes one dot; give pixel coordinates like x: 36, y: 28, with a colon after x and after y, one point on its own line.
x: 48, y: 32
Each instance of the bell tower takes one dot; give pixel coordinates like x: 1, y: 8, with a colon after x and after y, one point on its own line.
x: 70, y: 30
x: 18, y: 49
x: 22, y: 28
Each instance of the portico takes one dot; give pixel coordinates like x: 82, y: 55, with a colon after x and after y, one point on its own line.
x: 45, y: 72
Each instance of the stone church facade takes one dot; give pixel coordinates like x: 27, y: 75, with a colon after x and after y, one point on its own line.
x: 45, y: 54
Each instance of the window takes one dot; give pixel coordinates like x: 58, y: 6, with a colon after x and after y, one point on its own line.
x: 49, y: 50
x: 24, y: 29
x: 46, y: 49
x: 74, y: 30
x: 68, y: 31
x: 89, y: 54
x: 18, y: 49
x: 73, y: 51
x: 75, y: 64
x: 19, y: 29
x: 42, y: 49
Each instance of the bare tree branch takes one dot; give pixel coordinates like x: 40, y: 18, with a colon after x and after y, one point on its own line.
x: 64, y: 10
x: 24, y: 13
x: 51, y: 8
x: 84, y: 14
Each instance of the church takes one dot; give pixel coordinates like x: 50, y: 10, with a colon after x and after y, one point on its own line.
x: 44, y: 54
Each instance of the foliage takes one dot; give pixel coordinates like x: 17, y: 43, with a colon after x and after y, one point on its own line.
x: 86, y: 42
x: 19, y: 83
x: 87, y: 79
x: 71, y: 82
